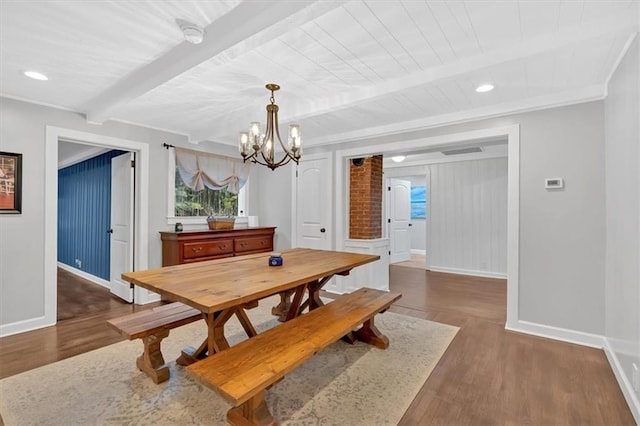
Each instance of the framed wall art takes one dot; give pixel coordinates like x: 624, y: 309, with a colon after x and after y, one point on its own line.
x: 10, y: 183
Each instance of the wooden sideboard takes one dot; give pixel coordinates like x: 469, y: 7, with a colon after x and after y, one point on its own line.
x: 196, y: 246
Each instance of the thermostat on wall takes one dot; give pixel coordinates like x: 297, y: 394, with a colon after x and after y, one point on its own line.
x: 553, y: 183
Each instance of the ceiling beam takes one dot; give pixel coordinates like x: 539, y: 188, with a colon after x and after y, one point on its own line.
x: 248, y: 19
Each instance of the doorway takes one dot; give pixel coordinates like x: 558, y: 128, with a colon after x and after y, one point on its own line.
x: 88, y: 250
x: 416, y: 213
x: 509, y: 133
x: 95, y: 193
x: 55, y: 135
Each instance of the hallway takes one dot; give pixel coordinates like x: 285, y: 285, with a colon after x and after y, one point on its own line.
x: 78, y: 297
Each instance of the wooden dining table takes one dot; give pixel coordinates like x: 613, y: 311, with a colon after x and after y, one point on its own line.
x: 226, y: 287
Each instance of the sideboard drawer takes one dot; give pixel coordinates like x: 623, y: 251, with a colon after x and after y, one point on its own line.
x: 253, y: 244
x: 205, y: 249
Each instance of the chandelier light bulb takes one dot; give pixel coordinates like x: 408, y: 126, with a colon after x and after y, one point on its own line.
x: 244, y: 143
x: 295, y: 139
x: 254, y: 128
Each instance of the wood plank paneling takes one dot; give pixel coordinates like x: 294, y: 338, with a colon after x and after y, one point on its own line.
x: 84, y: 215
x: 467, y: 218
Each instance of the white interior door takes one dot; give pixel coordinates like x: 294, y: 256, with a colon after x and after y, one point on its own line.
x: 122, y: 187
x: 313, y: 204
x: 399, y: 219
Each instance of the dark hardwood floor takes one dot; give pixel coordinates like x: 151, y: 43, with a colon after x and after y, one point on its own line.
x: 85, y: 329
x: 79, y: 297
x: 488, y: 376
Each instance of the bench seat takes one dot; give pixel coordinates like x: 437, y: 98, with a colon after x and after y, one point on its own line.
x: 243, y: 372
x: 152, y: 326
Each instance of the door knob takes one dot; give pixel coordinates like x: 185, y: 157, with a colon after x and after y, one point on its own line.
x: 109, y: 231
x: 410, y: 224
x: 323, y: 230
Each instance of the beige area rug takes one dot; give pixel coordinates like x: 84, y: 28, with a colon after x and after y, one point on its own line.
x: 342, y: 385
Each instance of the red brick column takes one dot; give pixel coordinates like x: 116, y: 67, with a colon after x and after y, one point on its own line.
x: 365, y: 199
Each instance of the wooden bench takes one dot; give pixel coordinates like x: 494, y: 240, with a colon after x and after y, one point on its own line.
x: 152, y: 326
x: 242, y: 373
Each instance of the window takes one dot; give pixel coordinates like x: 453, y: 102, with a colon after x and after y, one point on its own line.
x: 205, y: 202
x: 192, y: 207
x: 418, y: 202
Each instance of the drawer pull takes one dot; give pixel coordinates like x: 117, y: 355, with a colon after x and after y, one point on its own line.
x: 196, y: 249
x: 222, y: 247
x: 243, y: 244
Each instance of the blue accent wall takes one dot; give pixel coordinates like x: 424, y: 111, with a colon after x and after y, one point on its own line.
x: 84, y: 214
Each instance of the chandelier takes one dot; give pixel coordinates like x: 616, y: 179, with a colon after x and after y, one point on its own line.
x: 260, y: 148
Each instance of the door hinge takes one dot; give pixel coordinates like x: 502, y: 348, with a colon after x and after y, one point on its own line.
x: 133, y: 163
x: 296, y: 173
x: 388, y: 220
x: 388, y: 188
x: 389, y: 252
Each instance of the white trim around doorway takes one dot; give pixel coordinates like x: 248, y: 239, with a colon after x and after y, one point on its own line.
x: 53, y: 136
x: 512, y: 133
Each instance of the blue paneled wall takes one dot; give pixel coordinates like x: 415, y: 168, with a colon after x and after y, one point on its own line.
x: 84, y: 215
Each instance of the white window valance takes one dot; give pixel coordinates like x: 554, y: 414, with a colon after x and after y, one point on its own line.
x: 199, y: 169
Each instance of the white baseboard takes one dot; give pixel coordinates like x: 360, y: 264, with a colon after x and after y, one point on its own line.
x: 23, y: 326
x: 418, y: 251
x: 485, y: 274
x: 623, y: 381
x: 85, y: 275
x: 557, y: 333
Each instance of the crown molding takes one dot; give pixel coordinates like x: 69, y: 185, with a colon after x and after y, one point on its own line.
x: 395, y: 130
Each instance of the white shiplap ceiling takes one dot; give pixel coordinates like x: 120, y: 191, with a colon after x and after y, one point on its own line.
x: 348, y: 69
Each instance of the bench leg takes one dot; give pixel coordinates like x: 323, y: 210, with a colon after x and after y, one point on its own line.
x: 252, y: 412
x: 370, y: 334
x: 151, y: 362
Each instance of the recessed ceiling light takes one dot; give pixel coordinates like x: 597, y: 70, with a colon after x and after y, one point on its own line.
x: 36, y: 75
x: 398, y: 158
x: 484, y: 88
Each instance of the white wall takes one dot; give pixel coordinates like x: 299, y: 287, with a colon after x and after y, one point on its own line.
x: 419, y: 236
x: 622, y: 167
x: 468, y: 217
x: 22, y: 251
x: 561, y: 278
x: 274, y: 209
